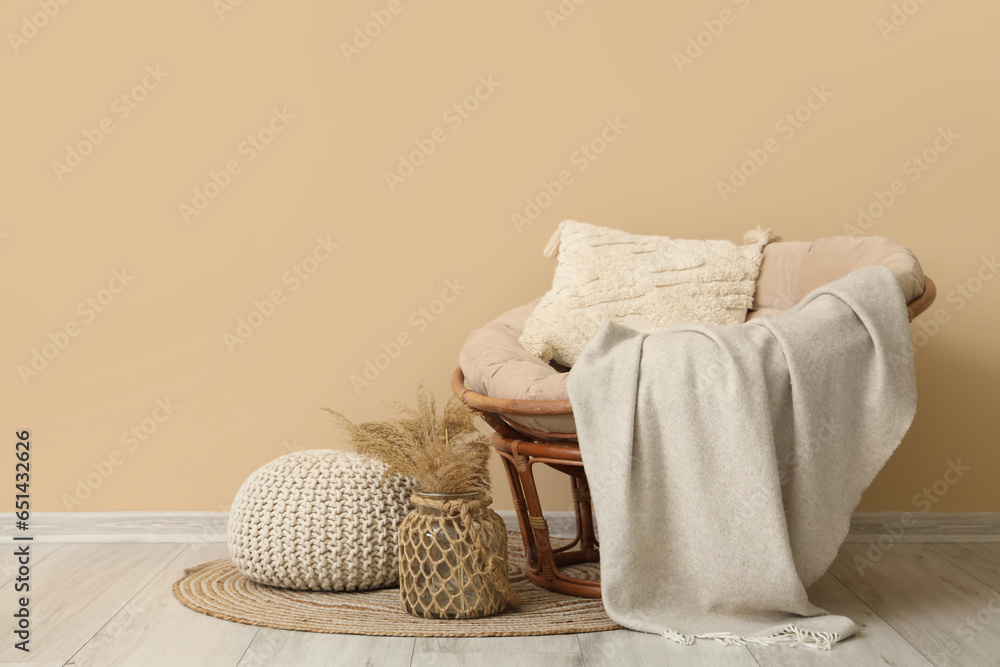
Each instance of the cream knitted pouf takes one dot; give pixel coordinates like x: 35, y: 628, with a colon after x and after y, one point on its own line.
x: 319, y: 520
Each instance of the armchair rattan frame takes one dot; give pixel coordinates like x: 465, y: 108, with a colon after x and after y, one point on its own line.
x: 521, y: 448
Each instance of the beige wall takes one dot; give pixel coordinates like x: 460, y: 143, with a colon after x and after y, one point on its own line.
x: 340, y: 125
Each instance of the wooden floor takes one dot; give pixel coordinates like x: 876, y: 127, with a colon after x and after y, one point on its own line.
x: 111, y: 604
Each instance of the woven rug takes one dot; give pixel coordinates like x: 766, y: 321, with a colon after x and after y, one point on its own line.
x: 218, y: 589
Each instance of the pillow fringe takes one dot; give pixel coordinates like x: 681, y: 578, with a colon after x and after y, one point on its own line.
x: 760, y: 237
x: 552, y: 247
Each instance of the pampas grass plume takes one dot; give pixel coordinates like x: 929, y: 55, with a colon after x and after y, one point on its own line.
x: 445, y: 453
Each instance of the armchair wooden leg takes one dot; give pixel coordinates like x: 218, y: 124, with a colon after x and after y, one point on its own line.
x: 536, y: 519
x: 521, y: 511
x: 585, y: 518
x: 542, y: 561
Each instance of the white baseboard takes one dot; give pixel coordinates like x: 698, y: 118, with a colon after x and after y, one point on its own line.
x: 925, y: 526
x: 120, y: 527
x: 211, y: 526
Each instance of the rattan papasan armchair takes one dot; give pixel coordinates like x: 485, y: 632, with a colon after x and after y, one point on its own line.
x: 524, y: 399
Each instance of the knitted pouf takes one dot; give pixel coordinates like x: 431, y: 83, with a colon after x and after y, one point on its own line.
x: 321, y: 520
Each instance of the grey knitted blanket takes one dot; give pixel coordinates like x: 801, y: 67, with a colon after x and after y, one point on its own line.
x: 725, y: 461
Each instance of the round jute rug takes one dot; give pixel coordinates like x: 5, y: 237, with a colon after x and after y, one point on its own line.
x: 218, y: 589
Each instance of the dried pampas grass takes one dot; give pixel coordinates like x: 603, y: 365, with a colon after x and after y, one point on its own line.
x: 446, y: 454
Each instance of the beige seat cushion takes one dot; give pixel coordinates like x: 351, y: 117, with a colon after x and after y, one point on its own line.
x: 792, y: 269
x: 496, y: 365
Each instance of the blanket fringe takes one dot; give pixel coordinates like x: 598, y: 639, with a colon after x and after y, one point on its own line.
x: 791, y: 635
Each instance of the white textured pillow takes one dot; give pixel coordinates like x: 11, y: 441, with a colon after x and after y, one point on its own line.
x: 643, y: 282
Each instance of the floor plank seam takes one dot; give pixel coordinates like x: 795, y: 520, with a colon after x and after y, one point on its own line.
x: 960, y: 567
x: 245, y: 650
x: 33, y: 564
x: 958, y: 576
x: 124, y: 606
x: 927, y: 656
x: 413, y: 650
x: 862, y: 601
